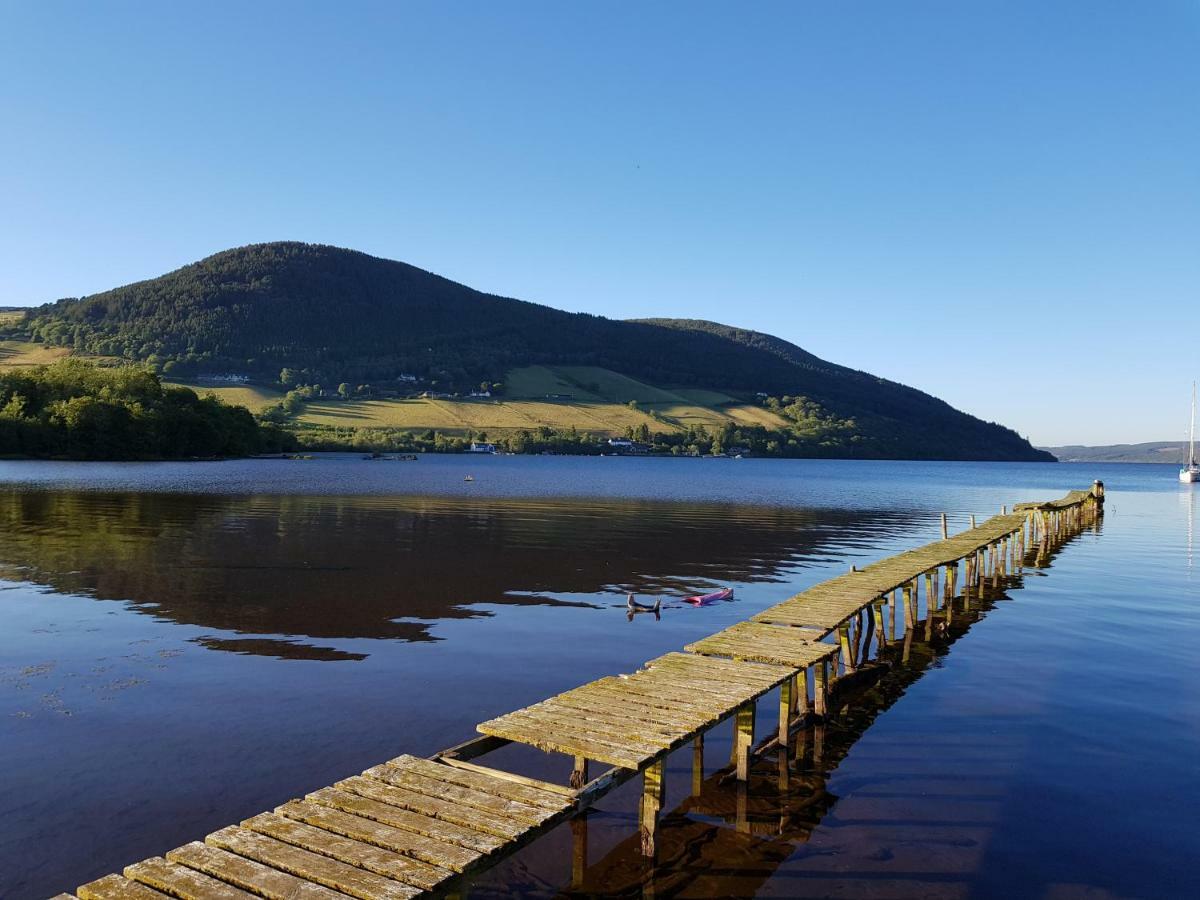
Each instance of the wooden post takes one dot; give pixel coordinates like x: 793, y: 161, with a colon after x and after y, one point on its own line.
x: 743, y: 739
x: 910, y: 606
x: 930, y: 602
x: 787, y: 703
x: 844, y: 642
x: 801, y: 693
x: 698, y: 765
x: 579, y: 775
x: 892, y: 614
x: 945, y: 528
x: 821, y: 688
x: 972, y: 520
x: 652, y: 800
x: 952, y: 580
x: 880, y: 628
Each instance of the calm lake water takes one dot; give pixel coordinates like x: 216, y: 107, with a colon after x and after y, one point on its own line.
x: 184, y: 645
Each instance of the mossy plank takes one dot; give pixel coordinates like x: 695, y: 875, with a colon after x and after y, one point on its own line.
x: 182, y: 882
x: 356, y: 853
x: 115, y: 887
x: 448, y: 810
x: 437, y: 853
x: 252, y: 876
x: 466, y: 834
x: 467, y: 797
x: 313, y: 867
x: 499, y: 787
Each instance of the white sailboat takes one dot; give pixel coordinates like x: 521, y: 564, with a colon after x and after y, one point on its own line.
x: 1191, y: 471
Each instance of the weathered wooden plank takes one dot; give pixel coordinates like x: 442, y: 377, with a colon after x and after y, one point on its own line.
x: 309, y: 866
x: 510, y: 776
x: 630, y: 712
x: 182, y: 882
x: 347, y: 850
x: 382, y: 811
x: 659, y: 690
x: 713, y: 686
x: 499, y: 787
x: 476, y: 820
x: 468, y: 797
x: 252, y: 876
x: 604, y: 722
x: 535, y: 735
x: 647, y: 736
x: 114, y: 887
x: 551, y: 726
x: 438, y: 853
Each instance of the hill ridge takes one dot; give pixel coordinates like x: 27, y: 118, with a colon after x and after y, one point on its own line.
x: 333, y: 315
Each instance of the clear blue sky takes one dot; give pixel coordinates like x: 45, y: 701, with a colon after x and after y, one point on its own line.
x: 996, y: 202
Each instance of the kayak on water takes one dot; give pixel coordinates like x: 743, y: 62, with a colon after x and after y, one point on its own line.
x: 714, y: 597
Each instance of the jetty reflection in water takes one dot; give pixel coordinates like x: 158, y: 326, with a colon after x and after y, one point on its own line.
x: 727, y: 838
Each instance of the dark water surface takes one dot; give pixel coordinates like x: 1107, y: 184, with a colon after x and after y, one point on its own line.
x: 184, y: 645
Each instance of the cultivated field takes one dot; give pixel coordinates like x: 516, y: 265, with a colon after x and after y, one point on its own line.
x: 253, y: 397
x: 17, y: 354
x: 593, y: 400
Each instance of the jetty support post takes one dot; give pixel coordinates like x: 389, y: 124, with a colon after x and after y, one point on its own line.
x: 652, y: 801
x: 787, y: 705
x: 743, y: 739
x: 821, y: 688
x: 847, y: 646
x: 698, y: 764
x: 579, y: 774
x: 945, y: 528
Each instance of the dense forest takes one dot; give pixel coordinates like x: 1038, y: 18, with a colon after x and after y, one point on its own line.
x: 72, y: 409
x: 333, y: 315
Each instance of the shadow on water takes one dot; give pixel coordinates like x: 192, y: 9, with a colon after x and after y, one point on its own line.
x: 730, y: 839
x: 297, y: 567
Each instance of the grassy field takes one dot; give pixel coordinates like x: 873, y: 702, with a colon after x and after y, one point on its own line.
x: 595, y: 400
x: 253, y: 397
x: 10, y: 317
x: 16, y: 354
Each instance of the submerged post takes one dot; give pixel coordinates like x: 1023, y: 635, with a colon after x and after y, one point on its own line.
x: 743, y: 739
x: 821, y: 688
x: 945, y: 529
x: 652, y: 799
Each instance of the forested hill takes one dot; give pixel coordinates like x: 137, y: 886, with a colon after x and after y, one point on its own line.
x: 339, y: 315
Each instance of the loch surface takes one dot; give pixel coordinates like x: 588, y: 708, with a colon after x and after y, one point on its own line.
x: 183, y: 645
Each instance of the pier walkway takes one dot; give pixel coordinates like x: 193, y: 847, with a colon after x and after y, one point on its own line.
x: 417, y: 827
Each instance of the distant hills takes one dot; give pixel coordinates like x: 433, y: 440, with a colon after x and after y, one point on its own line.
x: 1148, y: 452
x: 332, y: 315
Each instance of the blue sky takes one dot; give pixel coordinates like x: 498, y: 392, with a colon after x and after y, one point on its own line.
x: 996, y: 202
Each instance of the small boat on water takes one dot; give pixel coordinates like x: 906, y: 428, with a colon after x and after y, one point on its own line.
x: 707, y: 599
x: 1191, y: 470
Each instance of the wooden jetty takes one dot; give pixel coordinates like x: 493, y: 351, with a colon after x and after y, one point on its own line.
x: 419, y: 827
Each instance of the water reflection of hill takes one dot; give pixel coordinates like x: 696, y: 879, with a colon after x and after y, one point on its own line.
x: 351, y: 567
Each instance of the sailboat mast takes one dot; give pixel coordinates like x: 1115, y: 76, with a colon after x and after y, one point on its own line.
x: 1192, y: 430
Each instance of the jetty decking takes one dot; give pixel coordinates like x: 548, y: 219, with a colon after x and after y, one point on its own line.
x: 415, y: 827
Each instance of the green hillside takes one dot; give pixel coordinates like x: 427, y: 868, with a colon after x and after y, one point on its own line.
x: 331, y: 316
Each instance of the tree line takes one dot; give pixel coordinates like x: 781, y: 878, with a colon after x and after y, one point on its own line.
x: 75, y: 410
